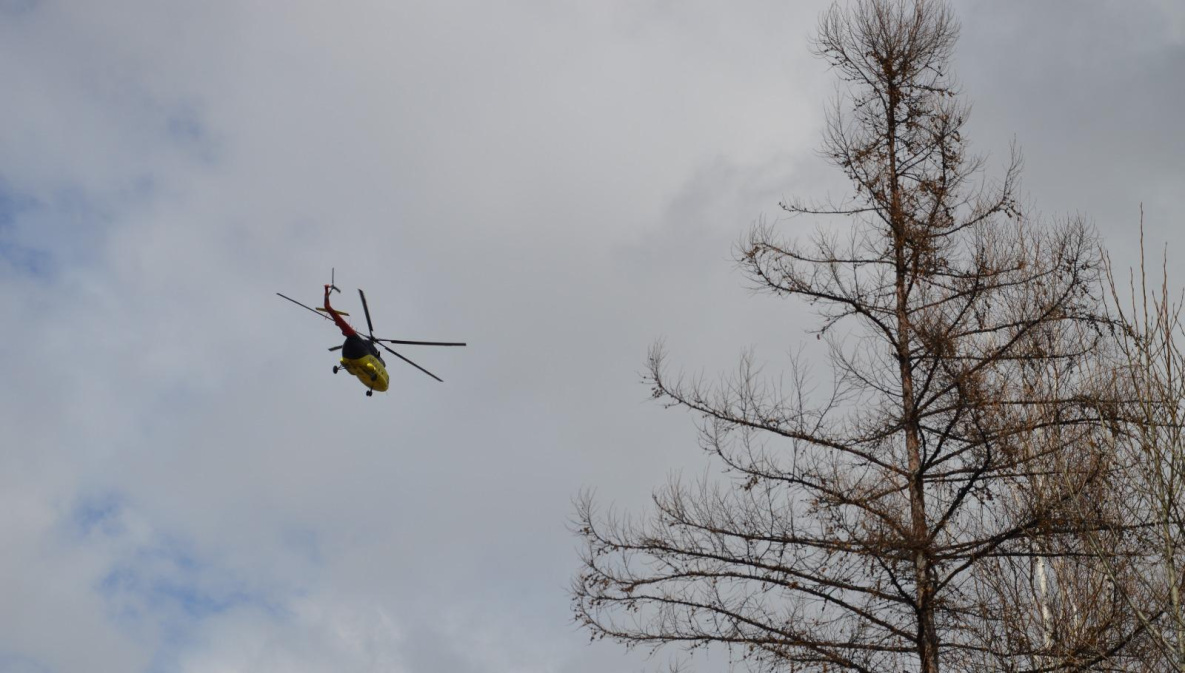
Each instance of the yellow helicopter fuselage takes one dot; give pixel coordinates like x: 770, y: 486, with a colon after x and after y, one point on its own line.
x: 369, y: 370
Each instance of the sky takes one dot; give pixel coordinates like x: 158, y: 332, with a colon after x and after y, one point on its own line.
x: 184, y: 484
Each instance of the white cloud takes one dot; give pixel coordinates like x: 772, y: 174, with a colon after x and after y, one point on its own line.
x: 317, y: 634
x: 558, y: 185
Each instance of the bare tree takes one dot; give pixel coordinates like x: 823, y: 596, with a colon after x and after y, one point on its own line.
x: 1140, y: 548
x: 866, y: 529
x: 1064, y: 605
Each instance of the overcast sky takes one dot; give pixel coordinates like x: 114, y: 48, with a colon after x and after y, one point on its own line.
x: 185, y: 486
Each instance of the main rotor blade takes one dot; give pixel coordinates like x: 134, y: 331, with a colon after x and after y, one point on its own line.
x: 366, y: 309
x: 423, y: 343
x: 413, y: 364
x: 314, y: 311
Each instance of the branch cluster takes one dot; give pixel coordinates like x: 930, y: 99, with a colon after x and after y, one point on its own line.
x: 956, y: 497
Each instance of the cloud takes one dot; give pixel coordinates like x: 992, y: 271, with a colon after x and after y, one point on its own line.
x: 186, y: 486
x: 317, y: 634
x: 1083, y: 88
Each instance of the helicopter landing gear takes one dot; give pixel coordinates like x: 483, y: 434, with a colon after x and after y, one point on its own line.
x: 369, y: 392
x: 335, y: 368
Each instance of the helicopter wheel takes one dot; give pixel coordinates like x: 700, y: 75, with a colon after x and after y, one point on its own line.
x: 369, y: 393
x: 335, y: 368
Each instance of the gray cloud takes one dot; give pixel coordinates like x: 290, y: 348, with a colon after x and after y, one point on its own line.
x: 559, y: 185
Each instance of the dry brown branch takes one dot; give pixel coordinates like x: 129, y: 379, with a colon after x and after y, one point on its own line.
x: 892, y: 524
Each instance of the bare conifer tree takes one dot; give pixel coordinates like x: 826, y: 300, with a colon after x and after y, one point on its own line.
x: 862, y: 526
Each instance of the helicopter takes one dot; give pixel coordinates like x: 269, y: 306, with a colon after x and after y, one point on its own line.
x: 360, y: 356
